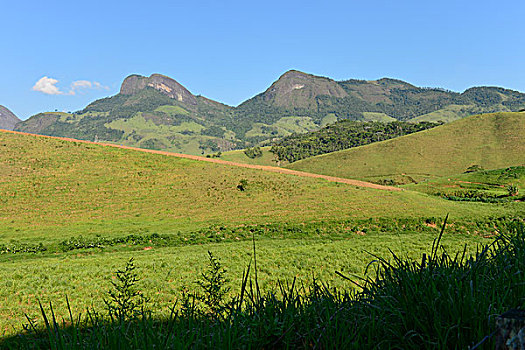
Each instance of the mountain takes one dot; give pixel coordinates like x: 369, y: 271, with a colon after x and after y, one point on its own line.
x: 7, y: 119
x: 134, y: 84
x: 296, y: 89
x: 403, y: 101
x: 490, y: 141
x: 298, y: 102
x: 158, y: 112
x: 153, y: 112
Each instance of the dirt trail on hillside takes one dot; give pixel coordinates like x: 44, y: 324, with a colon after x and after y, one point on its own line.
x: 225, y: 162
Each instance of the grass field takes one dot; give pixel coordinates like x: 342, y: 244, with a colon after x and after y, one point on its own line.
x: 480, y: 186
x: 85, y: 275
x: 283, y: 127
x: 238, y: 156
x: 491, y: 141
x: 52, y: 190
x: 455, y: 112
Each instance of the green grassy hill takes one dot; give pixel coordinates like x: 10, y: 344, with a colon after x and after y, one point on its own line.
x: 490, y: 140
x: 51, y: 189
x: 72, y: 213
x: 238, y: 156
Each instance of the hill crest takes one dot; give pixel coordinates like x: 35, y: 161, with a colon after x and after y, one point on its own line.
x: 8, y: 119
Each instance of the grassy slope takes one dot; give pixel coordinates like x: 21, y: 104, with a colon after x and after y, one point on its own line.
x: 490, y: 181
x: 446, y: 114
x: 238, y: 156
x: 457, y: 111
x: 51, y: 190
x: 490, y: 140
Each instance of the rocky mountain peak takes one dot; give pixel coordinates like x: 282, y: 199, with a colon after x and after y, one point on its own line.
x: 300, y: 90
x: 166, y: 85
x: 7, y: 119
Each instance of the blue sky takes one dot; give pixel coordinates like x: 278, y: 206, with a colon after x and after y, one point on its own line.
x: 231, y: 50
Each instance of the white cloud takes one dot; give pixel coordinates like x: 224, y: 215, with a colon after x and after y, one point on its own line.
x: 84, y: 85
x: 47, y: 86
x: 81, y: 84
x: 98, y: 85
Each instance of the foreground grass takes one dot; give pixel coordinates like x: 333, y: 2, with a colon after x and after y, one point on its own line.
x: 83, y: 274
x: 442, y: 300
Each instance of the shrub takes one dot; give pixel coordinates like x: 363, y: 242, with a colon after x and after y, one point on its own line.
x: 474, y: 168
x: 213, y: 283
x: 125, y: 301
x: 254, y: 152
x: 513, y: 190
x: 243, y: 184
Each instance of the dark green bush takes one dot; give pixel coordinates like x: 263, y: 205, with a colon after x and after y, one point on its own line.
x: 254, y: 152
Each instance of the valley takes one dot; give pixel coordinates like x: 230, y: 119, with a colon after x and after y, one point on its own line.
x: 314, y: 190
x: 72, y: 212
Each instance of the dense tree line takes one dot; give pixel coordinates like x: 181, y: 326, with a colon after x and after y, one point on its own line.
x: 341, y: 135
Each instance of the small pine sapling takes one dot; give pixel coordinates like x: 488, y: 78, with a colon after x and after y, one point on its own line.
x: 125, y: 301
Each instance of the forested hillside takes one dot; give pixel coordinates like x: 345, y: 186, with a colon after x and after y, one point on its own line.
x: 342, y: 135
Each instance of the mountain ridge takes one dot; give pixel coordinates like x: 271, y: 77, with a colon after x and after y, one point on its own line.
x: 158, y: 112
x: 296, y: 89
x: 164, y: 84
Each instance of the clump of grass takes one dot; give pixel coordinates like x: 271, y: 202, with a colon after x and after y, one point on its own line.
x: 439, y: 301
x: 443, y: 301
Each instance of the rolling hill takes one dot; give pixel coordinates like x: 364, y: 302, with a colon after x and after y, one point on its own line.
x: 71, y: 213
x: 54, y: 188
x: 489, y: 140
x: 157, y: 112
x: 8, y: 120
